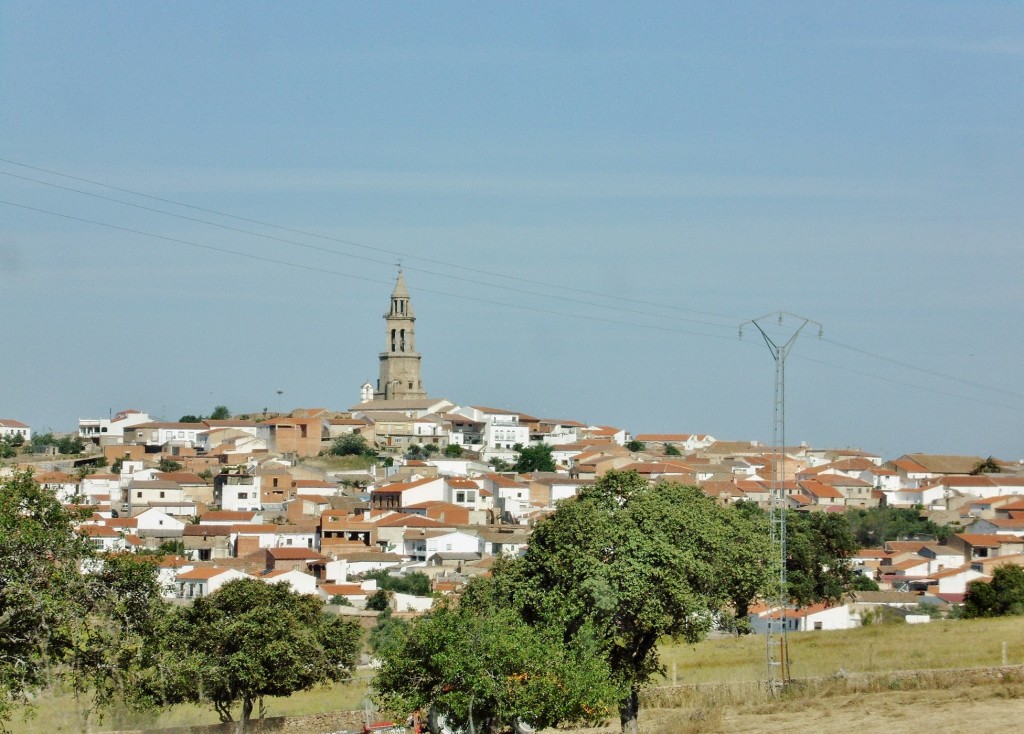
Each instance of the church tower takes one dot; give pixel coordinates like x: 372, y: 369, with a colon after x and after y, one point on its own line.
x: 400, y: 364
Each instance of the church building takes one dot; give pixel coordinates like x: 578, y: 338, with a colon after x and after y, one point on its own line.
x: 398, y: 412
x: 400, y: 377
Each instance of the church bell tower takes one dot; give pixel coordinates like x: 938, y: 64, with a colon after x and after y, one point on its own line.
x: 400, y: 363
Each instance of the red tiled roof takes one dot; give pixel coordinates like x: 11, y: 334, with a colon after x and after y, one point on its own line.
x: 295, y: 554
x: 404, y: 520
x: 201, y: 574
x: 404, y: 486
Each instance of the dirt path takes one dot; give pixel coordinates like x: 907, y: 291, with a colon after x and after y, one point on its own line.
x: 969, y: 710
x: 899, y: 712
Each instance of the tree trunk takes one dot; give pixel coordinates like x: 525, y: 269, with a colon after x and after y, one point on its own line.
x: 243, y: 720
x: 629, y: 711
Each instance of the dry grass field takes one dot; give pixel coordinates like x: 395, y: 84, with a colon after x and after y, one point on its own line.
x: 862, y: 680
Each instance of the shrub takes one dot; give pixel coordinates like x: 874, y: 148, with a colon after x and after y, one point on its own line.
x: 378, y: 601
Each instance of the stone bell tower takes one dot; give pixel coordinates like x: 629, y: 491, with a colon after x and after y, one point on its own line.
x: 400, y: 363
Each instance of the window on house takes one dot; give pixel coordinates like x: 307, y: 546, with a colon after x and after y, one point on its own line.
x: 139, y: 495
x: 460, y: 496
x: 243, y: 495
x: 162, y: 496
x: 817, y: 625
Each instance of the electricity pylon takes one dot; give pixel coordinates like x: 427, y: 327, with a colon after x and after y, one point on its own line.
x: 777, y: 651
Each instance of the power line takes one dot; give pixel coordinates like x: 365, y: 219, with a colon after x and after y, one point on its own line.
x: 916, y: 386
x: 312, y: 268
x: 925, y: 370
x: 392, y: 253
x: 552, y: 295
x: 330, y: 251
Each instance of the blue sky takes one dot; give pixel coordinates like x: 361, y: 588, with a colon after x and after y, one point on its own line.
x: 588, y: 200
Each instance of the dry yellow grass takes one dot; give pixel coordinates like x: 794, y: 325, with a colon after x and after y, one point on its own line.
x: 939, y: 645
x: 729, y: 696
x: 62, y: 713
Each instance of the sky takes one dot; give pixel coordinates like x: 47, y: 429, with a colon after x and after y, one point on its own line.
x: 204, y: 204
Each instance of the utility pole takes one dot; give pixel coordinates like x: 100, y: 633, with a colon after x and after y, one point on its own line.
x: 777, y: 651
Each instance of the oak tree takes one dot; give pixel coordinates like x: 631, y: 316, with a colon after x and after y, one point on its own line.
x: 251, y: 639
x: 485, y: 669
x: 634, y: 564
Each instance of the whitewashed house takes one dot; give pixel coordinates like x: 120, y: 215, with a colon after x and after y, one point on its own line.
x: 502, y: 429
x: 302, y: 583
x: 103, y: 538
x: 110, y: 431
x: 930, y: 497
x: 155, y: 521
x: 199, y: 582
x: 817, y: 617
x: 239, y: 493
x: 357, y: 563
x: 10, y: 428
x: 419, y: 545
x: 97, y: 486
x: 157, y: 433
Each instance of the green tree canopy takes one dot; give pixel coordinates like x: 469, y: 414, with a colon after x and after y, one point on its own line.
x: 8, y: 449
x: 378, y: 601
x: 58, y: 623
x: 635, y: 445
x: 635, y: 564
x: 672, y: 450
x: 416, y: 583
x: 987, y: 466
x: 1002, y: 596
x: 115, y: 658
x: 415, y: 451
x: 873, y: 527
x: 168, y: 464
x: 351, y: 444
x: 499, y: 464
x: 818, y: 545
x: 220, y: 413
x: 69, y: 444
x: 486, y: 668
x: 388, y: 635
x: 251, y: 639
x: 189, y: 418
x: 534, y: 458
x: 43, y: 597
x: 863, y: 583
x: 453, y: 450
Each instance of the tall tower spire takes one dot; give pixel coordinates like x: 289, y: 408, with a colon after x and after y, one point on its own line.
x: 400, y: 363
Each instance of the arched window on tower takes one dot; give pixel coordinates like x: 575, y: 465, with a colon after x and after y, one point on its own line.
x: 403, y: 340
x: 393, y: 332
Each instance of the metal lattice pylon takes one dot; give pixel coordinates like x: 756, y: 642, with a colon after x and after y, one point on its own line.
x: 776, y: 649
